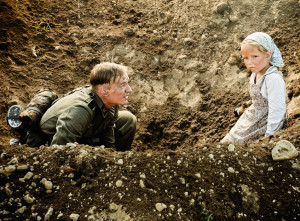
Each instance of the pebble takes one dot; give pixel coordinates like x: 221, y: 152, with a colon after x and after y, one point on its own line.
x: 198, y: 175
x: 231, y: 148
x: 10, y: 168
x: 222, y: 7
x: 74, y: 216
x: 113, y: 207
x: 22, y: 167
x: 48, y: 185
x: 160, y: 206
x: 48, y: 214
x: 119, y: 183
x: 7, y: 190
x: 71, y: 145
x: 284, y: 150
x: 28, y: 175
x: 13, y: 161
x: 21, y: 210
x: 230, y: 170
x: 142, y: 184
x: 120, y: 162
x: 29, y: 199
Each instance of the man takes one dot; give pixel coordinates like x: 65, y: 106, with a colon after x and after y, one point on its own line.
x: 90, y: 115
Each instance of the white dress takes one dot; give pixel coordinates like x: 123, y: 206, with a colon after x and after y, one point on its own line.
x: 267, y: 113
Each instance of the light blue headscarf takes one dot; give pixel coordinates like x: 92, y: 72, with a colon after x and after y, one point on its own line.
x: 266, y: 41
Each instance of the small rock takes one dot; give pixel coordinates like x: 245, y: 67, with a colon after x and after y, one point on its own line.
x: 74, y: 216
x: 29, y: 199
x: 188, y: 41
x: 231, y: 148
x: 120, y: 162
x: 142, y: 184
x: 28, y: 175
x: 7, y: 190
x: 113, y: 207
x: 198, y: 175
x: 13, y: 161
x: 230, y: 170
x: 119, y: 183
x: 222, y: 7
x: 284, y: 150
x: 48, y: 214
x: 160, y: 206
x: 22, y: 167
x: 48, y: 185
x: 10, y: 168
x: 129, y: 32
x: 21, y: 210
x: 91, y: 210
x: 71, y: 145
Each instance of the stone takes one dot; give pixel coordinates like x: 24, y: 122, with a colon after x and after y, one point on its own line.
x: 284, y: 150
x: 231, y: 170
x: 231, y: 148
x: 160, y: 206
x: 119, y: 183
x: 74, y: 216
x: 22, y: 167
x: 10, y: 168
x: 48, y: 214
x: 222, y: 7
x: 29, y: 199
x: 142, y: 184
x: 28, y: 175
x: 48, y: 185
x: 120, y: 162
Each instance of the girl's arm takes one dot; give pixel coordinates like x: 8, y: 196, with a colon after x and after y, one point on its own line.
x: 276, y: 93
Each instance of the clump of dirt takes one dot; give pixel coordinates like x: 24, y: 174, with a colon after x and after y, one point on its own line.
x: 187, y: 77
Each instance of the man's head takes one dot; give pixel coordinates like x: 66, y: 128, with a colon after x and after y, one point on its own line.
x: 110, y: 83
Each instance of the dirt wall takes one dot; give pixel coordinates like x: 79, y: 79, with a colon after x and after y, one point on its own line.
x: 187, y: 77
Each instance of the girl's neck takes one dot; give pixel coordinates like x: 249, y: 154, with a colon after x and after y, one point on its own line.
x: 261, y: 73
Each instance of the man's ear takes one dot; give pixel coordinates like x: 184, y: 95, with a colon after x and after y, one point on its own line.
x: 104, y: 91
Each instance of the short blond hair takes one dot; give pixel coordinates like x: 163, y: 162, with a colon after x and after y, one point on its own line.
x: 255, y: 44
x: 106, y: 73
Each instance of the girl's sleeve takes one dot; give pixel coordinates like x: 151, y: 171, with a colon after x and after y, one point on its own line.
x: 276, y: 93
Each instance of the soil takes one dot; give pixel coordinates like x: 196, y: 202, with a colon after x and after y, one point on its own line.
x: 187, y: 78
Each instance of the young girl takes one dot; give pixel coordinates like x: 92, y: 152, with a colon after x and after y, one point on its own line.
x: 267, y: 113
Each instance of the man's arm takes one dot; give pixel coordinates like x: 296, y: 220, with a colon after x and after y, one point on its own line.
x: 71, y: 125
x: 109, y: 133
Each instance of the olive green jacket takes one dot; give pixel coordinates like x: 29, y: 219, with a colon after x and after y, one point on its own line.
x: 80, y: 116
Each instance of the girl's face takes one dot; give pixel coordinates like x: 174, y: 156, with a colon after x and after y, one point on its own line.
x: 255, y: 60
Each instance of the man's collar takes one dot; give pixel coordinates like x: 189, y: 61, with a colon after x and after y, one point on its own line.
x: 101, y: 105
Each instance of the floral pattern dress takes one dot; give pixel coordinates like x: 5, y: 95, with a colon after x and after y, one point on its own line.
x: 253, y: 123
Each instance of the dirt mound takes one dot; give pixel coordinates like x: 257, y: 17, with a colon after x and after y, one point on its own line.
x: 187, y: 78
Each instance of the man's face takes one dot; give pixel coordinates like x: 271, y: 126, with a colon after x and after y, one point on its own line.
x: 119, y: 91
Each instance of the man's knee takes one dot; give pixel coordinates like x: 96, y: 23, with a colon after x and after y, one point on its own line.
x: 126, y: 121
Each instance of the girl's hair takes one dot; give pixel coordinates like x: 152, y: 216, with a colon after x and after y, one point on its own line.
x: 105, y: 73
x: 255, y: 44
